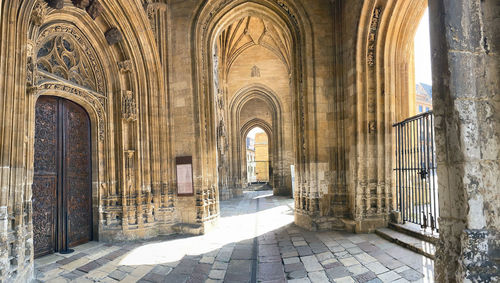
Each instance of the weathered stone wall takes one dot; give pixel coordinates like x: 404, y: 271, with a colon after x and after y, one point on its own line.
x: 466, y: 87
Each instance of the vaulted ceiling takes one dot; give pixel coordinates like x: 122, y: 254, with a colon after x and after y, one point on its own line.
x: 248, y: 32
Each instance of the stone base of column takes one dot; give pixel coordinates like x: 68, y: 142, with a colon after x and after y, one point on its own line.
x: 369, y: 225
x: 207, y: 226
x: 318, y: 223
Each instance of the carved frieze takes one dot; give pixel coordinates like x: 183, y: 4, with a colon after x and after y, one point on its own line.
x: 129, y: 107
x: 372, y: 36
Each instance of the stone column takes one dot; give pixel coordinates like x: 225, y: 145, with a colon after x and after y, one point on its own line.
x: 465, y: 45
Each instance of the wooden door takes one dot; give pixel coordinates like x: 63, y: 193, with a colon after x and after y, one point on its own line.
x: 62, y: 195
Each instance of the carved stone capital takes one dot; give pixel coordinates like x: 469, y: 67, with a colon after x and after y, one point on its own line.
x: 32, y: 90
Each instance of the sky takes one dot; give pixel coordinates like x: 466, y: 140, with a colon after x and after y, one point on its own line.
x: 423, y: 52
x: 255, y: 131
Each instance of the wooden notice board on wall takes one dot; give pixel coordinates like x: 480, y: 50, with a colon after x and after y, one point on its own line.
x: 184, y: 168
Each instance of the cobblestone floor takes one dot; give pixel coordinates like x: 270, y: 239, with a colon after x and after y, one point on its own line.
x: 255, y: 241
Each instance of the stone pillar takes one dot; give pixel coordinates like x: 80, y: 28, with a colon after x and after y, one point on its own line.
x: 465, y: 45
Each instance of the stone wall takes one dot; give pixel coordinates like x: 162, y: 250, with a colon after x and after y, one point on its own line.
x: 466, y: 64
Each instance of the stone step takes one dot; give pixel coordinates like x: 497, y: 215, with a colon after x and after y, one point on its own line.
x: 417, y: 245
x: 416, y: 231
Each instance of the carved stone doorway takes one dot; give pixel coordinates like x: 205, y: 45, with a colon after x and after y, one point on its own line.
x: 62, y: 192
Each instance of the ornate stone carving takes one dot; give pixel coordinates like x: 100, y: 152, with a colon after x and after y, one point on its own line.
x: 94, y: 9
x: 56, y: 4
x: 125, y: 66
x: 255, y: 72
x: 247, y: 32
x: 113, y: 36
x: 372, y: 127
x: 30, y: 67
x: 82, y: 4
x: 94, y: 101
x: 32, y: 90
x: 76, y: 59
x: 285, y: 8
x: 62, y: 57
x: 39, y: 12
x: 129, y: 170
x: 372, y: 36
x: 129, y: 107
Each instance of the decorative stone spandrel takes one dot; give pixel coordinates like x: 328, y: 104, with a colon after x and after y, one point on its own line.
x: 94, y: 9
x: 113, y: 36
x: 56, y: 4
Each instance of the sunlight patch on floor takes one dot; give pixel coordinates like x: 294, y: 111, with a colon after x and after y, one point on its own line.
x: 230, y: 230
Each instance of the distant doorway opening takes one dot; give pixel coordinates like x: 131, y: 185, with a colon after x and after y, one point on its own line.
x: 257, y: 156
x: 423, y: 70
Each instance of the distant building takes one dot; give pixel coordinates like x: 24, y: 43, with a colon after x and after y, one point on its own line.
x: 250, y: 143
x: 423, y: 98
x: 251, y: 178
x: 262, y: 157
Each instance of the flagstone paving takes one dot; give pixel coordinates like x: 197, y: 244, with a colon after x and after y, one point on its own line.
x: 255, y: 241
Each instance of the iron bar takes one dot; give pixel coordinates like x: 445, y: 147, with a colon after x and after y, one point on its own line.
x: 416, y: 180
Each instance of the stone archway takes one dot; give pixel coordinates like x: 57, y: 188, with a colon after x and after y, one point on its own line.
x: 274, y: 124
x: 213, y: 18
x: 384, y: 84
x: 383, y: 63
x: 103, y: 70
x: 247, y: 127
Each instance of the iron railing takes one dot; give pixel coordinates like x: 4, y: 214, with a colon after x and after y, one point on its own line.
x: 416, y: 179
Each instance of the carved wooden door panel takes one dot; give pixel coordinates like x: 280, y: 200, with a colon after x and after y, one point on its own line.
x: 62, y: 196
x: 77, y: 181
x: 44, y: 189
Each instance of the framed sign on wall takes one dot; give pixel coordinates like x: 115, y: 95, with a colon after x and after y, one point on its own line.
x: 184, y: 166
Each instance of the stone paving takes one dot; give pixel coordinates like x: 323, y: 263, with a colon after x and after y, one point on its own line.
x: 255, y: 241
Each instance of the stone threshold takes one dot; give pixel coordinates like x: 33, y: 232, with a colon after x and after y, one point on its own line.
x: 425, y: 248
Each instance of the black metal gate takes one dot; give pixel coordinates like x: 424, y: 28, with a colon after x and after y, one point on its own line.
x: 416, y: 179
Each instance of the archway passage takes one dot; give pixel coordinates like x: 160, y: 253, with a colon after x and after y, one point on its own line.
x: 258, y: 162
x: 62, y: 193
